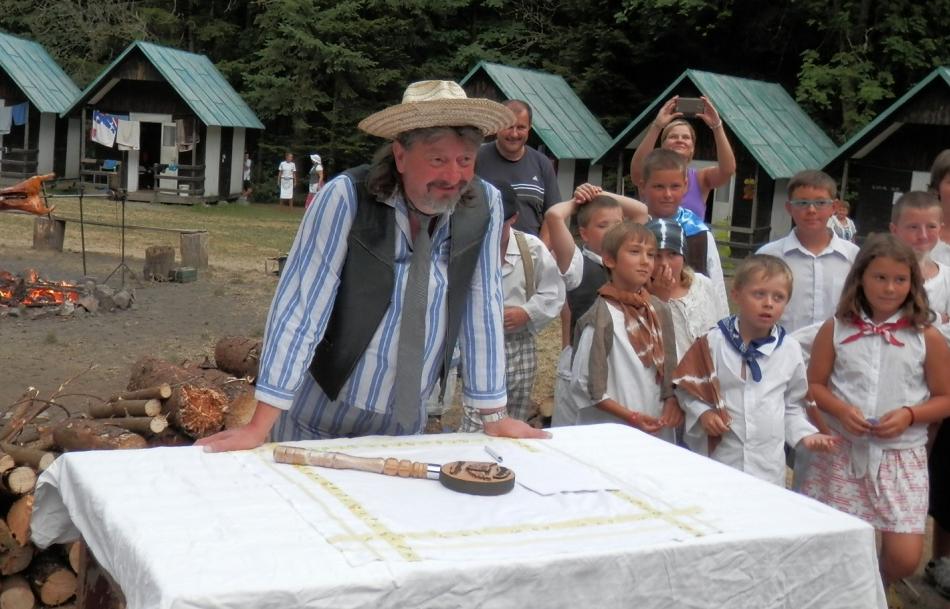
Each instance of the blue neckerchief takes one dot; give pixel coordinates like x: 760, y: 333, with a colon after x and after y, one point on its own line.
x: 730, y: 329
x: 690, y: 222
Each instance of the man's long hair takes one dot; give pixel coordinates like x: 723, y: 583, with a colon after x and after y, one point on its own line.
x: 384, y: 179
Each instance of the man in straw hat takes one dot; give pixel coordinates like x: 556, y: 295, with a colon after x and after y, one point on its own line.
x: 393, y: 264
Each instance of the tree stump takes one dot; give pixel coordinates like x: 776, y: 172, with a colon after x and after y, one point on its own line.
x: 16, y: 594
x: 196, y: 405
x: 194, y: 250
x: 52, y: 581
x: 159, y: 262
x: 48, y: 234
x: 84, y: 434
x: 238, y: 355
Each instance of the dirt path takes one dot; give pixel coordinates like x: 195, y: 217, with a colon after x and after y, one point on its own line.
x: 169, y: 320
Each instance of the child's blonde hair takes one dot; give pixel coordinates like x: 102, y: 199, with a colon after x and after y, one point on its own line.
x: 627, y: 230
x: 661, y: 159
x: 814, y: 178
x: 915, y: 199
x: 762, y: 266
x: 854, y: 303
x: 586, y: 211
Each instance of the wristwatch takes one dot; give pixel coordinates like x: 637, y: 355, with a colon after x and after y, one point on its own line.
x: 493, y: 417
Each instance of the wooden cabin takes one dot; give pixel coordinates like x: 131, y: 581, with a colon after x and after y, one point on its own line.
x: 561, y: 125
x: 192, y: 127
x: 772, y: 139
x: 34, y: 90
x: 893, y: 153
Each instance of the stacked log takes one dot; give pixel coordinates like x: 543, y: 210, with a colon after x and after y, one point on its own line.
x: 28, y: 577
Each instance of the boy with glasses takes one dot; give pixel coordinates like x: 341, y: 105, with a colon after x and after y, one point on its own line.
x: 819, y: 259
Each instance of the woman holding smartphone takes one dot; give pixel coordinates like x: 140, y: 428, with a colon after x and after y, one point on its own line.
x: 678, y: 135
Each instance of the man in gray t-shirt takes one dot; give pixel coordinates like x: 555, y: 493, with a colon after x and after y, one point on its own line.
x: 530, y: 173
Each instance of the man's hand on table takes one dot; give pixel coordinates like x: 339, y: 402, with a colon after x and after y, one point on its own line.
x: 245, y: 437
x: 513, y: 428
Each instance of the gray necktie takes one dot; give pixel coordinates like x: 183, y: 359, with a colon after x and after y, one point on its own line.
x: 412, y: 331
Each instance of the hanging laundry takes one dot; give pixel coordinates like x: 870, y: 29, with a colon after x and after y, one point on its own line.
x: 128, y: 135
x: 104, y: 128
x: 20, y: 112
x: 6, y: 117
x: 187, y: 135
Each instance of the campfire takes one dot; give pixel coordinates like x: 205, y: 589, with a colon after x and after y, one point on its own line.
x: 42, y: 296
x: 32, y: 291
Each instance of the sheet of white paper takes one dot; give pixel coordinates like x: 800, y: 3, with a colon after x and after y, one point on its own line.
x: 549, y: 472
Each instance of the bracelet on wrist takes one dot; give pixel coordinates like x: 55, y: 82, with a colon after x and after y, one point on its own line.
x: 717, y: 125
x: 913, y: 419
x: 493, y: 417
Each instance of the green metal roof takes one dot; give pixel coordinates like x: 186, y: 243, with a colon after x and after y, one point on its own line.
x: 39, y: 77
x: 559, y: 117
x: 872, y: 127
x: 195, y: 79
x: 763, y: 117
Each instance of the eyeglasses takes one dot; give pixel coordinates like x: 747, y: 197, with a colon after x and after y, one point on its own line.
x: 818, y: 203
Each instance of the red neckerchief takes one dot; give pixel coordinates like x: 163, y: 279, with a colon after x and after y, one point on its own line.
x: 884, y: 330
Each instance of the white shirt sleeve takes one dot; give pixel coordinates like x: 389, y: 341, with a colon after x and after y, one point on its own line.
x: 714, y: 272
x: 548, y: 299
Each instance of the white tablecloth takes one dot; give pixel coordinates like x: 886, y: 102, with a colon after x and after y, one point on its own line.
x: 183, y: 528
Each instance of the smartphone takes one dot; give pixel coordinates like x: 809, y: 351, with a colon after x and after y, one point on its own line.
x: 690, y: 106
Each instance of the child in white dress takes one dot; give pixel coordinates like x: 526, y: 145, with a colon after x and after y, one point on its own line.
x: 875, y: 368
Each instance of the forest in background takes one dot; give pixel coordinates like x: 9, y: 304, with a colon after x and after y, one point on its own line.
x: 311, y: 69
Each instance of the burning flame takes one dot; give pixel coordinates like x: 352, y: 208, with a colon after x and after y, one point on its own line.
x: 33, y: 291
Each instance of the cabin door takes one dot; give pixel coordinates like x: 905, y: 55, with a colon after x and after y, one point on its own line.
x: 169, y: 155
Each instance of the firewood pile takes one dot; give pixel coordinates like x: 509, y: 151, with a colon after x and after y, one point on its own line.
x: 164, y: 405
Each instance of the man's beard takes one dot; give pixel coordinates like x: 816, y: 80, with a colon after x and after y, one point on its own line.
x: 441, y: 205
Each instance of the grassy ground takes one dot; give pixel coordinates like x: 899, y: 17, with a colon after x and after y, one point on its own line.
x: 241, y: 236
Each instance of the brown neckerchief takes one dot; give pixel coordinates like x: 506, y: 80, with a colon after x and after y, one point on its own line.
x: 642, y: 324
x: 696, y: 375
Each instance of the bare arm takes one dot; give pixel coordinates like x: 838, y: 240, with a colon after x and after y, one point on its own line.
x: 894, y: 422
x: 246, y: 437
x: 714, y: 177
x: 558, y: 235
x: 632, y: 418
x: 662, y: 119
x: 820, y: 365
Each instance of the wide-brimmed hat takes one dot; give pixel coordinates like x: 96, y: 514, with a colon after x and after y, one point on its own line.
x: 437, y: 103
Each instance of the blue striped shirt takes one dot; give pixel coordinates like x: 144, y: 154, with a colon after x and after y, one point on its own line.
x: 303, y: 302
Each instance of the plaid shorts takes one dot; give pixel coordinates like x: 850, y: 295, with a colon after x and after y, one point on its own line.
x: 521, y: 366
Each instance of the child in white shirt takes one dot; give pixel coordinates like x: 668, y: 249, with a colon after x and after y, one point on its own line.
x: 743, y: 385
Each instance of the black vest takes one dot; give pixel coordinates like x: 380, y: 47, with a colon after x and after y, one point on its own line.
x: 580, y: 299
x: 368, y: 279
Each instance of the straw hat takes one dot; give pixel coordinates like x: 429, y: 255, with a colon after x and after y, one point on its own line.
x: 437, y: 103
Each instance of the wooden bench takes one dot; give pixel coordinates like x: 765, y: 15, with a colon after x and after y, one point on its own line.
x: 49, y: 233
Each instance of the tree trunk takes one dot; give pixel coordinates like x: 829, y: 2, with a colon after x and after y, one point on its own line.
x: 16, y: 560
x: 159, y: 392
x: 52, y: 581
x: 195, y: 407
x: 84, y: 434
x: 18, y: 519
x: 18, y: 481
x: 141, y: 425
x: 159, y: 262
x: 7, y: 541
x: 126, y: 408
x: 16, y: 594
x: 23, y: 455
x: 238, y: 355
